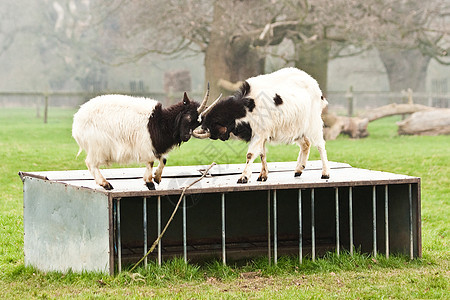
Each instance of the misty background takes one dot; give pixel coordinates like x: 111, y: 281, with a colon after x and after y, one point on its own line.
x: 71, y: 50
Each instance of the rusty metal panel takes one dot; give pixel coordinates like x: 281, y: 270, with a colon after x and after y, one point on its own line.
x: 65, y: 227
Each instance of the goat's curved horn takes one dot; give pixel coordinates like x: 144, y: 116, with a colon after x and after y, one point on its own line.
x: 201, y: 134
x: 205, y: 100
x: 206, y: 111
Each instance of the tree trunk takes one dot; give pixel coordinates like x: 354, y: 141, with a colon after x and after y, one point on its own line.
x: 352, y: 126
x: 314, y: 61
x: 405, y: 69
x: 215, y: 60
x: 232, y: 58
x: 243, y: 59
x: 430, y: 122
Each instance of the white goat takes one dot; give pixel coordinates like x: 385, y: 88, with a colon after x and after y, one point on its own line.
x: 284, y: 106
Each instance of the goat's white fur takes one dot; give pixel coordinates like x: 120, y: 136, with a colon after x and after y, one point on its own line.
x: 114, y: 128
x: 297, y: 120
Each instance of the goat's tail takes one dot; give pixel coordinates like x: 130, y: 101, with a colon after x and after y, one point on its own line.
x: 79, y: 152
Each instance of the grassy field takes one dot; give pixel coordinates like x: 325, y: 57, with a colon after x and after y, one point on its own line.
x: 26, y: 144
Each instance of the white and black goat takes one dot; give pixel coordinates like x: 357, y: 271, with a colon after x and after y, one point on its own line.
x: 284, y: 106
x: 124, y: 129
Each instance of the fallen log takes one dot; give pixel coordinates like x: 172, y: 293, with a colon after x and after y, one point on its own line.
x: 228, y: 85
x: 353, y: 126
x: 393, y: 109
x: 429, y: 122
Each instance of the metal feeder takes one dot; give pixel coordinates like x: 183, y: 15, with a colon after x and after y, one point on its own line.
x: 71, y: 223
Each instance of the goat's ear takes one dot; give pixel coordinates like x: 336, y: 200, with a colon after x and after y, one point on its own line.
x: 186, y: 100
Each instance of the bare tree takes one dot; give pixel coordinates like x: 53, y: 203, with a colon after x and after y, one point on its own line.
x: 68, y: 44
x: 223, y: 30
x: 9, y: 27
x: 420, y: 33
x: 403, y: 31
x: 236, y: 35
x: 6, y: 36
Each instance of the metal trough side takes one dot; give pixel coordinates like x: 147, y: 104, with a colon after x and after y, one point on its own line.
x: 71, y: 223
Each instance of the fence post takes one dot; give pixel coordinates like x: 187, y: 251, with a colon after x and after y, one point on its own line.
x: 407, y: 98
x: 410, y: 96
x: 38, y: 107
x: 349, y: 96
x: 45, y: 107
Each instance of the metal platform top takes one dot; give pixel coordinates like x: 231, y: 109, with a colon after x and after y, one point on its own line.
x: 128, y: 182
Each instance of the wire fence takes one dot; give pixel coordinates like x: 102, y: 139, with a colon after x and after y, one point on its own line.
x: 41, y: 101
x: 353, y: 103
x: 341, y: 102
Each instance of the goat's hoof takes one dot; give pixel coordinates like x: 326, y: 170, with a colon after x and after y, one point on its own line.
x: 325, y: 177
x: 298, y: 174
x: 107, y: 186
x: 157, y: 180
x: 243, y: 179
x: 150, y: 185
x: 262, y: 178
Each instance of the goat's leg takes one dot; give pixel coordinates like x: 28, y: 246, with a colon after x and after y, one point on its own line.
x: 158, y: 173
x: 99, y: 179
x: 305, y: 146
x: 148, y: 176
x: 254, y: 149
x: 323, y: 157
x: 264, y: 168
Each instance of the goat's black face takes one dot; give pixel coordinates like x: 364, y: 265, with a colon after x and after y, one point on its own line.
x: 188, y: 119
x: 220, y: 121
x: 218, y: 130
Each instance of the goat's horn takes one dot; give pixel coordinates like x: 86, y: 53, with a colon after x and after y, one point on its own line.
x: 201, y: 134
x: 203, y: 113
x: 205, y: 100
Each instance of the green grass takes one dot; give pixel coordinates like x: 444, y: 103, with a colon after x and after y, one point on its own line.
x: 26, y: 144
